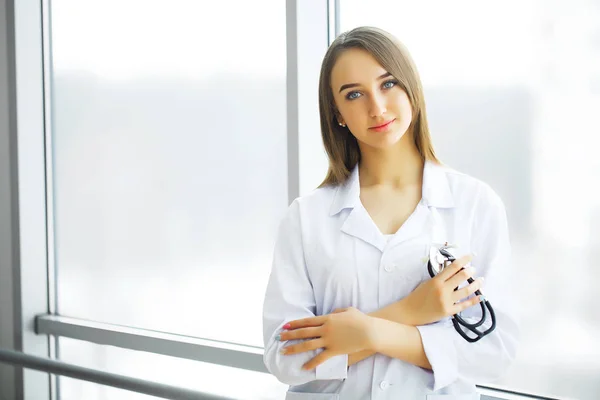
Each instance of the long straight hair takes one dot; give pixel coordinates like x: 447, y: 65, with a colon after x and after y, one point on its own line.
x: 341, y: 146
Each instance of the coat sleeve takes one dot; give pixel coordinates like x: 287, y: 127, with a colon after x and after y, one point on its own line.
x: 487, y: 359
x: 289, y: 296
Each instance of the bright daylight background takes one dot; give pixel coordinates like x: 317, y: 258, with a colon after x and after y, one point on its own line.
x: 170, y: 163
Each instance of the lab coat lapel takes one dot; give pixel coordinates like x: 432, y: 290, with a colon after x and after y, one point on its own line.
x: 358, y: 222
x: 414, y: 226
x: 360, y: 225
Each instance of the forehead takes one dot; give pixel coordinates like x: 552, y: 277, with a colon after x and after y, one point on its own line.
x: 355, y: 66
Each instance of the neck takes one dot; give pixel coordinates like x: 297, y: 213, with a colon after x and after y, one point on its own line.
x: 397, y: 167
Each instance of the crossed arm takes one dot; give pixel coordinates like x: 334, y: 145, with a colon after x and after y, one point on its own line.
x: 391, y: 330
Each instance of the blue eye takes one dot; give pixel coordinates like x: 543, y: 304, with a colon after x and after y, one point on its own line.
x: 385, y: 85
x: 389, y: 84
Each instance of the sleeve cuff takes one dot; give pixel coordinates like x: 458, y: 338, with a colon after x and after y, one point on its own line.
x: 438, y: 342
x: 334, y: 368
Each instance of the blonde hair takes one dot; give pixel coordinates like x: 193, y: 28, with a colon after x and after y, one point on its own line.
x: 341, y: 146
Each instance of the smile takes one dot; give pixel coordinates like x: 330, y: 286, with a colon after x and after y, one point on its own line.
x: 381, y: 128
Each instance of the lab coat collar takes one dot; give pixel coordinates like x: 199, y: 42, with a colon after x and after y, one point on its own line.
x: 347, y: 194
x: 435, y: 192
x: 436, y: 187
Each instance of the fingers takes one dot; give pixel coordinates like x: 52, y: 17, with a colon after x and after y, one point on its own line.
x: 463, y: 305
x: 460, y: 277
x: 306, y: 322
x: 301, y: 333
x: 318, y: 360
x: 303, y: 347
x: 467, y: 290
x: 456, y: 266
x: 312, y: 321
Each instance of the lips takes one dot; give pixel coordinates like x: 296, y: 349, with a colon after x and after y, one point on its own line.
x: 382, y: 126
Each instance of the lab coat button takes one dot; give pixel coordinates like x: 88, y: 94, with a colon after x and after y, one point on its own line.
x: 389, y: 268
x: 384, y: 385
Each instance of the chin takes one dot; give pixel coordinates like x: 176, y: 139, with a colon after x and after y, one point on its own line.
x: 386, y: 140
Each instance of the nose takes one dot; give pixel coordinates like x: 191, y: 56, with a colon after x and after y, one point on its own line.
x: 377, y: 105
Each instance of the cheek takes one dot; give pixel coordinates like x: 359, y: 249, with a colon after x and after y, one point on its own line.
x: 353, y: 113
x: 404, y: 107
x: 408, y: 111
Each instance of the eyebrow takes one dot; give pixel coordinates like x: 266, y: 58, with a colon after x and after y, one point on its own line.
x: 351, y: 85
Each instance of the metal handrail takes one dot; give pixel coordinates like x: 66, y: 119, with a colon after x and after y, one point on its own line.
x: 169, y: 344
x: 104, y: 378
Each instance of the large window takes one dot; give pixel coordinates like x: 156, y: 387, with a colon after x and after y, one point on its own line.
x: 174, y: 149
x: 513, y: 93
x: 170, y: 172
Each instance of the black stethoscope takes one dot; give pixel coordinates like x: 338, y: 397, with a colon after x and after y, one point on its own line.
x: 440, y: 258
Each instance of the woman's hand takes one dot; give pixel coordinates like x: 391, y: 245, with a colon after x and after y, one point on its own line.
x: 345, y: 331
x: 436, y: 298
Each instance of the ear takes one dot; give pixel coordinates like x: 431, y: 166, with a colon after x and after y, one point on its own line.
x: 339, y: 118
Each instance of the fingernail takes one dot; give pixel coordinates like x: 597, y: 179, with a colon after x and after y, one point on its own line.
x: 286, y: 326
x: 283, y: 351
x: 278, y: 337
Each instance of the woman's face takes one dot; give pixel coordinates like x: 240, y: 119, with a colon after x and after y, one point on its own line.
x: 370, y: 101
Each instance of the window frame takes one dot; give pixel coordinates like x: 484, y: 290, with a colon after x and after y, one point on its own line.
x: 26, y: 265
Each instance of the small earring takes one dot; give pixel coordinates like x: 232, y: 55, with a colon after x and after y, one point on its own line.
x: 342, y: 125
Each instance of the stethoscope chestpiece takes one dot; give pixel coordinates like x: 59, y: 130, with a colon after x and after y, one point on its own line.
x: 439, y: 259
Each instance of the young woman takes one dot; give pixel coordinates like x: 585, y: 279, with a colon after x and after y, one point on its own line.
x: 350, y: 310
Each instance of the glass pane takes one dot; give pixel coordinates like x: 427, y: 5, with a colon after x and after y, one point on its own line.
x: 203, y: 377
x: 513, y: 93
x: 170, y: 161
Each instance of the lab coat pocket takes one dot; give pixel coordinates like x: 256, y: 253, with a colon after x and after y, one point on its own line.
x: 470, y: 396
x: 311, y: 396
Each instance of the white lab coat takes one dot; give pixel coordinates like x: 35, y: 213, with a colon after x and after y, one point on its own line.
x: 330, y: 254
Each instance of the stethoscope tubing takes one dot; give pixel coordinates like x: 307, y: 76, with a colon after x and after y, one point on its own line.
x: 457, y: 320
